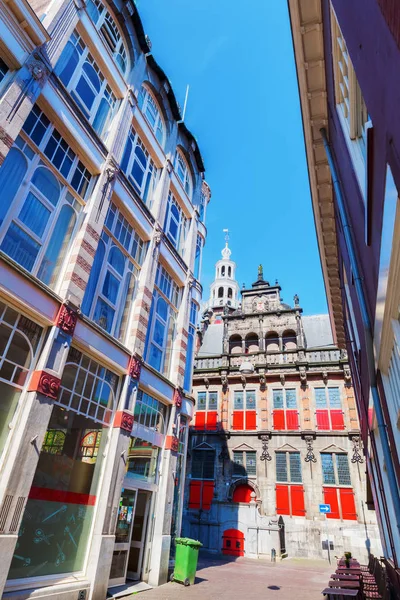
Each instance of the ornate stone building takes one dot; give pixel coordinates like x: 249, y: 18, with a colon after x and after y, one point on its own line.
x: 102, y: 213
x: 275, y: 433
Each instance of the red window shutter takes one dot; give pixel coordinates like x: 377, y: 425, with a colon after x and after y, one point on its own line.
x: 195, y: 494
x: 282, y: 500
x: 211, y: 423
x: 337, y: 419
x: 251, y: 420
x: 292, y: 419
x: 330, y: 497
x: 297, y: 498
x: 242, y: 493
x: 200, y: 420
x: 238, y: 419
x: 207, y: 494
x: 323, y: 419
x: 279, y: 419
x: 347, y: 503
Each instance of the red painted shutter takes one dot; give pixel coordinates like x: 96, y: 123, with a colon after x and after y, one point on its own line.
x: 238, y: 416
x: 347, y: 503
x: 282, y: 500
x: 292, y: 419
x: 200, y: 420
x: 279, y: 419
x: 323, y: 419
x: 242, y: 493
x: 211, y: 423
x: 337, y: 419
x: 251, y: 420
x: 207, y: 495
x: 195, y: 494
x: 297, y: 498
x: 330, y: 497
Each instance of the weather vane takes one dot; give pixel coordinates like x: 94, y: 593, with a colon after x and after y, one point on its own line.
x: 226, y: 232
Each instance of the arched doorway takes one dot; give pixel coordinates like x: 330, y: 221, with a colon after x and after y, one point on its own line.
x: 233, y: 542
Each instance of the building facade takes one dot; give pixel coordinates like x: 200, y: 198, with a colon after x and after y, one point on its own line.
x: 102, y: 211
x: 346, y: 54
x: 275, y: 434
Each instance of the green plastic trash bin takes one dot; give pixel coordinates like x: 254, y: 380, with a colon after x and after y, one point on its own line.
x: 187, y: 553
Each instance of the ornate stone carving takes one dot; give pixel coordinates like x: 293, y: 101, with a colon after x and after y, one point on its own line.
x: 296, y: 300
x: 263, y: 381
x: 347, y: 374
x: 46, y: 384
x: 357, y: 447
x: 224, y: 382
x: 265, y: 455
x: 310, y: 456
x: 303, y: 375
x: 282, y: 378
x: 178, y: 397
x: 123, y: 420
x: 135, y: 367
x: 343, y: 354
x: 206, y: 382
x: 172, y: 443
x: 67, y: 319
x: 243, y: 380
x: 325, y: 377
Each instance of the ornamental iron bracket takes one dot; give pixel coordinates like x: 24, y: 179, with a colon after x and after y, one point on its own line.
x: 309, y: 439
x: 357, y: 448
x: 265, y: 455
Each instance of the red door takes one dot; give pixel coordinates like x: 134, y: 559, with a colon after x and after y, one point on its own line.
x: 233, y: 542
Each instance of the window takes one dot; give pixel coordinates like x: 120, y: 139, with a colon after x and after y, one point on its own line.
x: 197, y: 257
x: 109, y: 31
x: 111, y: 287
x: 187, y: 383
x: 20, y: 339
x: 176, y: 224
x: 285, y: 414
x: 244, y: 410
x: 55, y: 529
x: 150, y: 413
x: 202, y: 205
x: 150, y: 109
x: 207, y: 411
x: 328, y: 408
x: 244, y: 463
x: 289, y: 498
x: 251, y: 343
x: 182, y: 170
x: 3, y: 70
x: 39, y: 212
x: 201, y: 489
x: 139, y: 167
x: 235, y: 344
x: 352, y: 110
x: 142, y: 460
x: 272, y: 342
x: 336, y: 473
x: 289, y: 341
x: 81, y: 75
x: 161, y: 330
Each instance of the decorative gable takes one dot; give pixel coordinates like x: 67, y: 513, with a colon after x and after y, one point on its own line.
x: 243, y: 447
x: 287, y: 448
x: 334, y: 448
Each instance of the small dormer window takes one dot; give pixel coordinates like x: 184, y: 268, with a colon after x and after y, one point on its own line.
x: 182, y: 170
x: 150, y: 109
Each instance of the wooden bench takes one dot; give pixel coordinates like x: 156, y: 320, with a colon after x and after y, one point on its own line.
x: 345, y: 577
x: 349, y: 585
x: 341, y: 594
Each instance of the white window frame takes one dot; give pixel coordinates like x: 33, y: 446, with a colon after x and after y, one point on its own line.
x: 150, y: 171
x: 182, y: 224
x: 147, y: 103
x: 183, y: 173
x: 110, y: 34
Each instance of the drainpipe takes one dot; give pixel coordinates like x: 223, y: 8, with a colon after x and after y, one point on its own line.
x: 367, y: 330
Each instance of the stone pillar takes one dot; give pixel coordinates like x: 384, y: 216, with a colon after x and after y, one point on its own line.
x: 224, y: 402
x: 350, y: 408
x: 264, y: 404
x: 306, y: 418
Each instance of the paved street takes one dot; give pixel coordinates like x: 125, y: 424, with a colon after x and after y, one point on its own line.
x: 250, y: 580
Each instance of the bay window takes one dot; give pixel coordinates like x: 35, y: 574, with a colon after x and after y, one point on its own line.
x: 207, y: 411
x: 289, y: 491
x: 187, y: 382
x: 150, y: 109
x: 183, y: 172
x: 337, y: 489
x: 83, y: 78
x: 161, y: 329
x: 55, y: 531
x: 109, y: 31
x: 40, y: 208
x: 139, y: 167
x: 244, y: 410
x: 176, y: 223
x: 328, y: 408
x: 285, y: 414
x: 112, y: 282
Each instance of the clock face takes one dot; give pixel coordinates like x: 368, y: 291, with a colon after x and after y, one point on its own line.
x: 260, y: 305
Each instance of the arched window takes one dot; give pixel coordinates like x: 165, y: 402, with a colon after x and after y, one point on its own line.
x: 150, y: 109
x: 176, y: 223
x: 242, y: 493
x: 289, y: 340
x: 272, y: 342
x: 229, y: 271
x: 222, y: 271
x: 235, y: 344
x: 183, y: 172
x: 229, y: 292
x: 109, y: 30
x: 12, y: 174
x: 139, y: 167
x: 89, y: 447
x: 252, y: 343
x: 220, y: 292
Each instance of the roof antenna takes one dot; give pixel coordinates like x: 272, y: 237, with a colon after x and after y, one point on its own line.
x: 184, y: 104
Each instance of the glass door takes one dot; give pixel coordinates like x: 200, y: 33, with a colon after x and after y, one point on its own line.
x: 138, y: 539
x: 123, y: 533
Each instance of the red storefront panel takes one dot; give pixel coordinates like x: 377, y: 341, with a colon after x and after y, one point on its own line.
x: 195, y: 494
x: 292, y: 419
x: 297, y: 498
x: 282, y: 500
x: 279, y: 419
x: 238, y: 419
x: 211, y: 423
x: 330, y: 497
x: 348, y: 505
x: 323, y: 419
x: 251, y: 420
x: 337, y: 419
x: 200, y: 420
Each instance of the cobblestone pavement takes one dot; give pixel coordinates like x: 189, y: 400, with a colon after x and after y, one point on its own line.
x: 247, y: 579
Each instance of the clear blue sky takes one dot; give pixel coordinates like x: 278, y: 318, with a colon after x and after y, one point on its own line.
x: 244, y: 110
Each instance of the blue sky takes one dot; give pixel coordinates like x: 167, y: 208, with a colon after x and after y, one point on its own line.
x: 244, y: 110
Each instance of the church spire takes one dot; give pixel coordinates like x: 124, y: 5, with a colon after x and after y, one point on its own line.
x: 224, y: 290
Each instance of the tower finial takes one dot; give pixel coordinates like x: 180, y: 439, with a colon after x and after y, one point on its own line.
x: 260, y: 273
